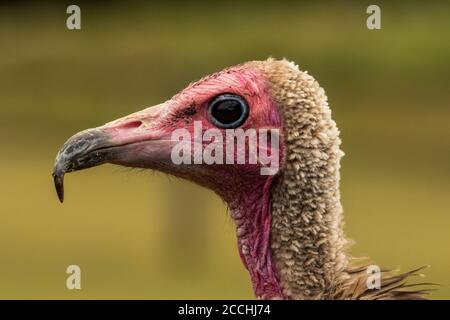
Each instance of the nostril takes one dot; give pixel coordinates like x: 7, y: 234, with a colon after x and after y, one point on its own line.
x: 130, y: 125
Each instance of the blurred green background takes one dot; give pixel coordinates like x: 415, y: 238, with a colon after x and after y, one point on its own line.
x: 137, y: 234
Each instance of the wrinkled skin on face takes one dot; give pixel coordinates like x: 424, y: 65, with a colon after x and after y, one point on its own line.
x: 144, y: 139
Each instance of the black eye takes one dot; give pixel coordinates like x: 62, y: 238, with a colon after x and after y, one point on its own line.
x: 228, y: 111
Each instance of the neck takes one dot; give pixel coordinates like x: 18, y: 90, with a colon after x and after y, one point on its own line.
x: 292, y: 244
x: 251, y: 213
x: 307, y: 240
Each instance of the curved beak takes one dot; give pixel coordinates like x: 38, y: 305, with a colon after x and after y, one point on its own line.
x: 134, y: 140
x: 86, y: 149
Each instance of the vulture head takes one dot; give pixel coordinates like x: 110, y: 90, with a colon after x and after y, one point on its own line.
x: 281, y: 184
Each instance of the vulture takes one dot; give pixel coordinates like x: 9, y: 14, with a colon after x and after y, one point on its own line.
x: 289, y: 221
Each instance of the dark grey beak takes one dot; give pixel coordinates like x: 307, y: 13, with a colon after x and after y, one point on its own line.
x: 84, y: 150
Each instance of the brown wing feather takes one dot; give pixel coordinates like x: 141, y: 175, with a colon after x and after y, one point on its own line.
x: 393, y: 286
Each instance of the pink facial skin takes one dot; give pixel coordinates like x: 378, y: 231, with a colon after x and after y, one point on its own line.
x: 143, y: 139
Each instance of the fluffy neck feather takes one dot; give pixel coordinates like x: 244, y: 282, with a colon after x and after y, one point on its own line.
x: 307, y: 240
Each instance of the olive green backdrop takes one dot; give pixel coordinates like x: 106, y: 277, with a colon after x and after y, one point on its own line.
x: 137, y: 234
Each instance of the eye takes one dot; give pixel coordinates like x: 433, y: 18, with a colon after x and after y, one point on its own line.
x: 228, y: 111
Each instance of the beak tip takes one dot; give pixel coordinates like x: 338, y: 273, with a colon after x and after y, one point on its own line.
x: 58, y: 179
x: 77, y: 153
